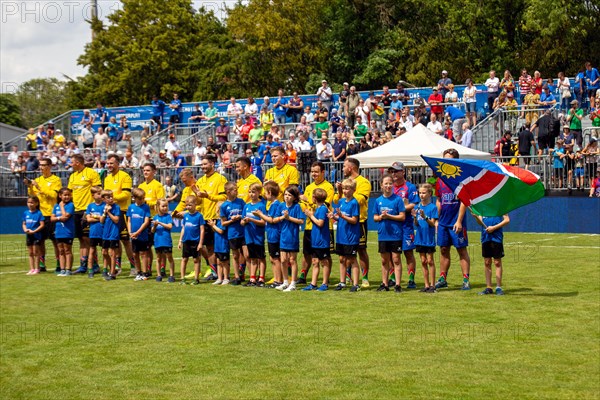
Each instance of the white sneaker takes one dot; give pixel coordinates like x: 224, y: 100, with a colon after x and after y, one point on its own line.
x: 139, y: 277
x: 283, y: 286
x: 290, y: 288
x: 30, y: 272
x: 217, y: 282
x: 225, y: 282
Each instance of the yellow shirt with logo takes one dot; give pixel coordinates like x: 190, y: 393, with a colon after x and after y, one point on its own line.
x: 120, y: 184
x: 154, y: 191
x: 80, y: 183
x: 243, y: 187
x: 214, y: 186
x: 47, y: 193
x: 362, y: 194
x: 187, y: 191
x: 308, y: 192
x: 284, y: 177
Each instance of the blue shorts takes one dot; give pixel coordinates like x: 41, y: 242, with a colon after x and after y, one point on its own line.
x: 408, y: 238
x: 579, y: 172
x: 471, y: 106
x: 447, y: 237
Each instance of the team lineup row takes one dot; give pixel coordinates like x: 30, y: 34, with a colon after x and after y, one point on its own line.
x: 220, y: 217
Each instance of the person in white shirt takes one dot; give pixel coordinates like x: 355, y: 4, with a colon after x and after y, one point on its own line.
x: 324, y: 149
x: 13, y: 157
x: 130, y: 161
x: 234, y: 110
x: 199, y: 152
x: 467, y: 137
x: 308, y: 116
x: 146, y: 148
x: 303, y: 144
x: 434, y: 125
x: 325, y: 95
x: 492, y: 84
x: 171, y: 146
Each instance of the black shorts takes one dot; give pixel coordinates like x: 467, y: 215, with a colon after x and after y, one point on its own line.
x: 174, y: 119
x: 110, y: 244
x: 544, y: 142
x: 151, y: 238
x: 94, y: 242
x: 163, y: 250
x: 139, y: 245
x: 362, y: 242
x: 190, y: 249
x: 321, y: 254
x: 48, y: 231
x: 234, y: 244
x: 274, y: 251
x: 256, y: 251
x: 209, y: 236
x: 492, y: 250
x: 346, y: 250
x: 82, y: 228
x: 425, y: 249
x: 222, y: 256
x: 307, y: 242
x: 31, y: 240
x: 558, y: 172
x: 592, y: 93
x: 391, y: 247
x: 124, y: 233
x: 68, y: 241
x: 158, y: 121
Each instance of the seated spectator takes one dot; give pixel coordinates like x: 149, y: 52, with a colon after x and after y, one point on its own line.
x: 59, y: 139
x: 309, y: 117
x: 237, y: 130
x: 32, y: 164
x: 405, y: 120
x: 130, y: 161
x: 434, y: 125
x: 171, y: 145
x: 547, y: 99
x: 434, y: 100
x: 335, y: 121
x: 303, y: 143
x: 88, y: 158
x: 360, y: 129
x: 322, y: 127
x: 324, y: 149
x: 363, y: 145
x: 304, y: 126
x: 290, y: 153
x: 171, y: 191
x: 451, y: 95
x: 352, y: 148
x: 146, y: 148
x: 392, y: 124
x: 362, y: 110
x: 72, y: 148
x: 256, y: 134
x: 147, y: 157
x: 266, y: 120
x: 163, y: 160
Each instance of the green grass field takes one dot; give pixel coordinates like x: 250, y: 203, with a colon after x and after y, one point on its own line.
x: 70, y: 338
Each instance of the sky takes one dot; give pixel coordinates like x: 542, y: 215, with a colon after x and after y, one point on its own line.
x: 43, y: 39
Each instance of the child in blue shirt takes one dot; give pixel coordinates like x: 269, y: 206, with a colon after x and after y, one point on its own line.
x: 492, y: 248
x: 221, y: 247
x: 92, y: 215
x: 425, y: 216
x: 33, y: 225
x: 271, y: 191
x: 255, y: 235
x: 348, y: 234
x: 319, y: 236
x: 64, y: 230
x: 291, y: 218
x: 110, y: 233
x: 192, y: 238
x: 231, y: 217
x: 558, y: 163
x: 138, y: 222
x: 390, y: 214
x: 162, y: 224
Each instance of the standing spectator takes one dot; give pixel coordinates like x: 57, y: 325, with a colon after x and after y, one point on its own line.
x: 402, y: 93
x: 171, y: 191
x: 547, y: 99
x: 199, y: 152
x: 222, y: 131
x: 470, y: 99
x: 592, y: 79
x: 196, y: 118
x: 87, y: 136
x: 101, y: 116
x: 451, y: 96
x: 325, y: 95
x: 434, y: 125
x: 175, y: 113
x: 525, y: 83
x: 443, y: 83
x: 339, y: 148
x: 322, y: 127
x: 457, y: 116
x: 354, y: 100
x: 343, y: 99
x: 434, y: 101
x: 146, y: 148
x: 492, y: 84
x: 467, y: 137
x: 234, y: 109
x: 526, y: 142
x: 537, y: 83
x: 210, y: 114
x: 295, y: 107
x: 395, y: 106
x: 31, y: 140
x: 266, y: 120
x: 579, y: 88
x: 507, y: 84
x: 564, y: 88
x: 545, y: 135
x: 13, y: 157
x: 308, y: 115
x: 574, y: 117
x: 130, y: 161
x: 251, y: 109
x: 158, y: 108
x: 171, y: 146
x: 280, y: 110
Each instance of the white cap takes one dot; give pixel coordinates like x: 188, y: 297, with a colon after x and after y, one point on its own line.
x: 445, y: 72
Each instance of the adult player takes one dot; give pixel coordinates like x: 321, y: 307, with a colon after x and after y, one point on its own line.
x: 154, y: 191
x: 243, y: 167
x: 282, y: 173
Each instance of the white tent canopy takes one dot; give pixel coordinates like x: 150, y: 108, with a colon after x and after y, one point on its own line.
x: 409, y: 147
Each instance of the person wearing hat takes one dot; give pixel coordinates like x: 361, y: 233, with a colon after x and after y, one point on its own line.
x: 163, y: 160
x: 443, y: 83
x: 352, y: 148
x: 321, y: 127
x: 492, y: 84
x: 353, y: 103
x: 434, y: 100
x: 547, y: 99
x: 407, y: 191
x: 222, y: 131
x: 395, y: 106
x: 343, y: 98
x: 574, y: 118
x: 325, y: 95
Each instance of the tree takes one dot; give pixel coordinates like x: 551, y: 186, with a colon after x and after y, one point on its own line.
x: 10, y: 113
x: 41, y: 100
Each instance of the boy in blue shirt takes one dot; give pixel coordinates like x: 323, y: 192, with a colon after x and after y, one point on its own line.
x: 255, y: 235
x: 425, y: 216
x: 390, y: 215
x: 192, y: 238
x: 33, y: 225
x: 221, y: 251
x: 110, y: 233
x: 320, y: 236
x: 231, y: 216
x: 64, y: 230
x: 92, y: 214
x: 271, y: 191
x: 291, y: 218
x: 348, y: 234
x: 162, y: 223
x: 492, y: 248
x: 138, y: 222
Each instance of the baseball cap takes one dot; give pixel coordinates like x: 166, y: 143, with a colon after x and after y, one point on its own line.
x: 445, y: 72
x: 323, y: 81
x: 398, y: 166
x: 171, y: 136
x: 163, y: 152
x: 351, y: 141
x: 346, y: 84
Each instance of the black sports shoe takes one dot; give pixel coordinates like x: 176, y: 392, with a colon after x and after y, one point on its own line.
x: 236, y: 282
x: 397, y: 289
x: 424, y: 290
x: 273, y: 285
x: 355, y: 288
x: 211, y: 277
x: 383, y: 288
x: 250, y: 284
x: 301, y: 281
x: 431, y: 289
x: 392, y: 282
x: 260, y: 284
x: 411, y: 285
x: 340, y: 286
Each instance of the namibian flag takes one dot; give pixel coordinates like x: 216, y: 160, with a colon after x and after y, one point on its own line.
x: 490, y: 189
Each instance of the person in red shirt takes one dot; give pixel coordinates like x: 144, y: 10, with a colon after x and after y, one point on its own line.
x: 434, y: 99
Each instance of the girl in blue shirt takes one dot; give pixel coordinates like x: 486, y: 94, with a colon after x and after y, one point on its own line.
x: 162, y: 224
x: 64, y: 230
x: 92, y: 216
x: 426, y: 215
x: 291, y: 218
x: 192, y: 238
x: 33, y: 224
x: 255, y: 236
x: 222, y: 249
x: 110, y: 233
x: 271, y: 191
x: 320, y: 236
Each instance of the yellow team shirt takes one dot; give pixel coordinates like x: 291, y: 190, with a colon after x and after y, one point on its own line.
x: 47, y: 193
x: 154, y: 191
x: 80, y: 183
x: 214, y: 186
x: 243, y: 187
x: 59, y: 141
x: 32, y: 138
x: 362, y: 194
x: 327, y: 187
x: 187, y: 191
x: 120, y: 184
x: 284, y: 177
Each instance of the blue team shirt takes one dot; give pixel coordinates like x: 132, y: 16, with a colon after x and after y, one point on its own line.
x: 162, y: 235
x: 454, y: 113
x: 111, y: 230
x: 496, y: 236
x: 592, y: 75
x: 96, y: 228
x: 290, y: 232
x: 254, y: 234
x: 281, y: 110
x: 32, y: 221
x: 388, y: 230
x: 137, y: 215
x: 231, y: 209
x: 274, y: 230
x: 221, y: 241
x: 347, y: 233
x: 65, y: 229
x: 175, y: 111
x: 100, y: 112
x: 158, y: 107
x: 319, y: 237
x: 192, y: 223
x: 410, y: 192
x: 450, y: 205
x: 425, y: 234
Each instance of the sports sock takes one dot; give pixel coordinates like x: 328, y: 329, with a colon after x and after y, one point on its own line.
x: 132, y: 263
x: 42, y: 261
x: 118, y: 263
x: 365, y: 274
x: 252, y: 278
x: 465, y: 277
x: 83, y: 261
x: 443, y: 276
x: 392, y: 276
x: 213, y: 269
x: 411, y: 274
x: 303, y: 274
